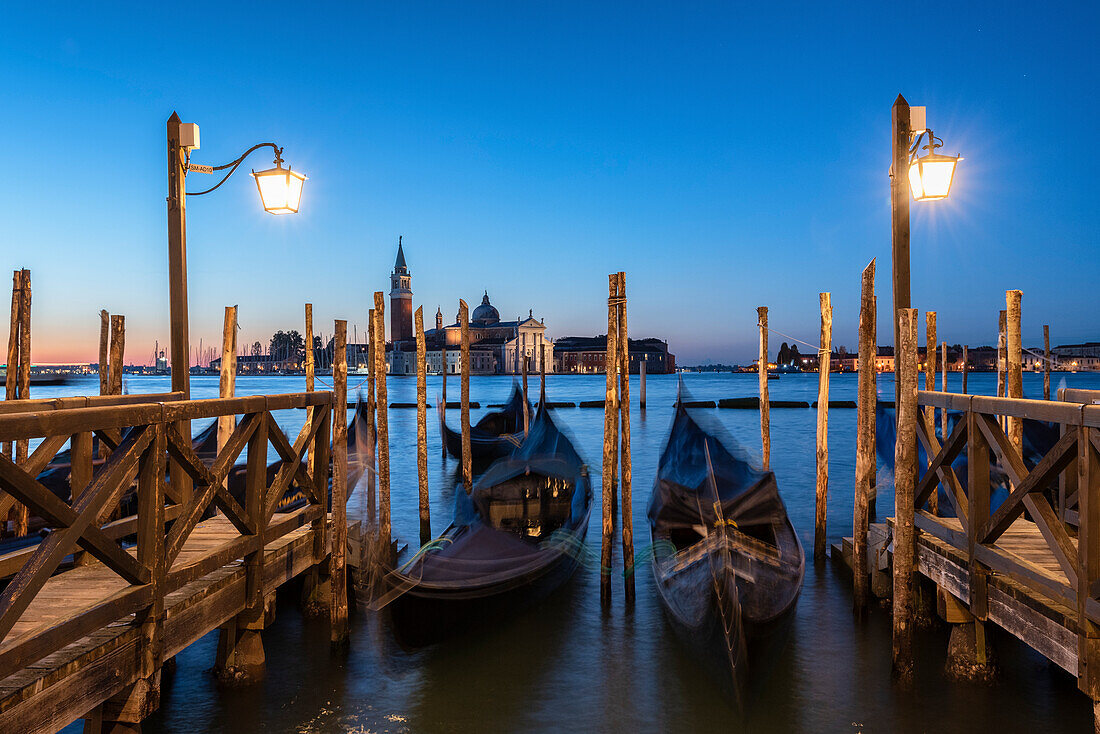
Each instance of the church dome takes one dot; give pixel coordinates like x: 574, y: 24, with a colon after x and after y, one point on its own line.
x: 486, y: 313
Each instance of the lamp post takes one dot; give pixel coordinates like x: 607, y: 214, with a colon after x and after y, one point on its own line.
x: 929, y: 177
x: 280, y: 193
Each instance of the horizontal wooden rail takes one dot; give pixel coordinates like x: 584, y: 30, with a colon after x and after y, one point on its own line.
x: 1075, y: 414
x: 67, y: 421
x: 1079, y: 395
x: 82, y: 401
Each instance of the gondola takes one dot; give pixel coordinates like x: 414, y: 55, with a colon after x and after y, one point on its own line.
x: 515, y: 539
x: 727, y: 562
x: 495, y: 436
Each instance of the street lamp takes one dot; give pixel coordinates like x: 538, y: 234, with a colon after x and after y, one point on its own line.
x: 930, y: 177
x: 280, y: 193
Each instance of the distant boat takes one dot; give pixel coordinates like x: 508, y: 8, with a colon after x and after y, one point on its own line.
x: 43, y: 380
x: 494, y: 436
x: 513, y: 541
x: 727, y: 562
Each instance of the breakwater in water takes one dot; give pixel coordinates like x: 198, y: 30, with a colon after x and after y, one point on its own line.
x: 567, y: 665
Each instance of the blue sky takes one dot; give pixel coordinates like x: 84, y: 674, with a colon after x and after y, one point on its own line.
x: 724, y: 155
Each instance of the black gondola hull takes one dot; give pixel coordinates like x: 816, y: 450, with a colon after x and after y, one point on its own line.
x: 426, y: 614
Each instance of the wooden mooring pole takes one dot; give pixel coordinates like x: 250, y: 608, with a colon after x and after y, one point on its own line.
x: 865, y: 437
x: 443, y: 401
x: 104, y: 352
x: 23, y: 383
x: 542, y: 373
x: 943, y: 388
x: 338, y: 565
x: 118, y: 352
x: 467, y: 457
x: 641, y: 383
x: 526, y: 400
x: 227, y: 382
x: 372, y: 432
x: 930, y: 344
x: 310, y: 367
x: 1014, y: 377
x: 422, y: 428
x: 822, y: 495
x: 381, y: 405
x: 1046, y: 362
x: 905, y: 479
x: 610, y: 442
x: 762, y: 373
x: 623, y: 343
x: 966, y: 365
x: 1002, y: 354
x: 15, y: 386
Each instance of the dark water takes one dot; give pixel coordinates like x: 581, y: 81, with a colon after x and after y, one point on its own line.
x: 567, y: 666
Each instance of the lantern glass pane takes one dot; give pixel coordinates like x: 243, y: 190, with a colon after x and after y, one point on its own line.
x: 930, y: 180
x: 280, y: 190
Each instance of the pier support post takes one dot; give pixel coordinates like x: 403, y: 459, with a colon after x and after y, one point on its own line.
x: 822, y: 495
x: 467, y: 456
x: 317, y: 588
x: 338, y: 610
x: 905, y: 473
x: 762, y: 374
x: 969, y: 653
x: 610, y: 429
x: 422, y: 428
x: 865, y: 437
x: 623, y: 343
x: 240, y: 657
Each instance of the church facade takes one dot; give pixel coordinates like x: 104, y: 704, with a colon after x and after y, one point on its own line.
x: 496, y: 347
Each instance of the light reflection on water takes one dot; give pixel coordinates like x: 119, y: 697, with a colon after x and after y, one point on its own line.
x: 567, y: 666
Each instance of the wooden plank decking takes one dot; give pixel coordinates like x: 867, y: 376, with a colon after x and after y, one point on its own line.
x: 1045, y: 622
x: 50, y: 688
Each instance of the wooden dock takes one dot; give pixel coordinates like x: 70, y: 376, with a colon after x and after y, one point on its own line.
x: 89, y: 614
x: 1032, y: 565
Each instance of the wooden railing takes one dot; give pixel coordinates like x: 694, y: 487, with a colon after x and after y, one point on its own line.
x: 1073, y: 461
x: 143, y: 446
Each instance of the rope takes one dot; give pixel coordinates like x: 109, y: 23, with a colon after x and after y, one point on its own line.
x: 815, y: 347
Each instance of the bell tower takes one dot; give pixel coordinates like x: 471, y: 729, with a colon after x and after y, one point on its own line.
x: 400, y: 298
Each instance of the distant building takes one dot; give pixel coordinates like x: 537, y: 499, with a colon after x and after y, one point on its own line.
x: 401, y: 310
x: 496, y: 347
x: 583, y: 354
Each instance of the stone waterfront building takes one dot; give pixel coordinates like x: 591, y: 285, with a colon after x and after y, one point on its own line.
x: 496, y: 347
